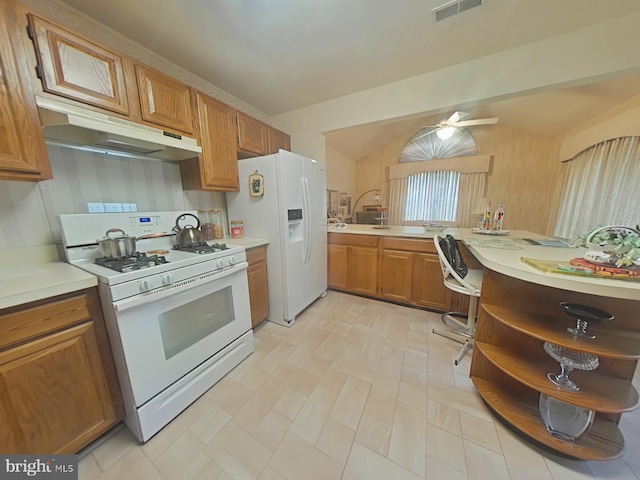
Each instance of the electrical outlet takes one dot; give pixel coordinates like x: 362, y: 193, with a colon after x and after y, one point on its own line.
x: 113, y: 207
x: 95, y: 207
x: 129, y: 207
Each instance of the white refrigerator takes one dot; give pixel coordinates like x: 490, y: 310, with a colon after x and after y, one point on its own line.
x: 291, y: 212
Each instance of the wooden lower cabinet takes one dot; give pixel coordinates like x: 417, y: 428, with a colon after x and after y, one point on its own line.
x: 428, y: 286
x: 362, y: 270
x: 396, y: 280
x: 337, y: 266
x: 258, y: 284
x: 402, y: 270
x: 60, y: 390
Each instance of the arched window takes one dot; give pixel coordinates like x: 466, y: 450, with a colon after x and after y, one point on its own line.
x: 426, y: 145
x: 431, y: 190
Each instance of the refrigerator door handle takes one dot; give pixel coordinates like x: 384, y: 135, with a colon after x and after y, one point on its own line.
x: 306, y: 219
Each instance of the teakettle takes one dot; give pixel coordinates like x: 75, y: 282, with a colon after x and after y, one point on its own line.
x: 188, y: 235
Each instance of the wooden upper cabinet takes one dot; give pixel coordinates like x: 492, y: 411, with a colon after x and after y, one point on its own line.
x: 252, y: 135
x: 278, y: 140
x: 217, y: 166
x: 163, y: 100
x: 77, y: 68
x: 23, y: 154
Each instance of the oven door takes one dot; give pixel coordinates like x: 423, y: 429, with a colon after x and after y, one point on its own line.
x: 167, y: 333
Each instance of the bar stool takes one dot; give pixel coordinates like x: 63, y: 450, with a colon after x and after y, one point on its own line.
x: 459, y: 278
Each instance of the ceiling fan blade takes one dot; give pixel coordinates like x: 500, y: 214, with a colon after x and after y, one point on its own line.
x: 426, y: 133
x: 456, y: 117
x: 479, y: 121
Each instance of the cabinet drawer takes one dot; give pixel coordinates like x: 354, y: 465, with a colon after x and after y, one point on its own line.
x: 257, y: 254
x: 409, y: 244
x: 19, y: 326
x: 348, y: 239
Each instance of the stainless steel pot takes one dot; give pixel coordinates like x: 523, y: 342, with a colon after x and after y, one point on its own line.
x: 188, y: 235
x: 117, y: 247
x: 121, y: 246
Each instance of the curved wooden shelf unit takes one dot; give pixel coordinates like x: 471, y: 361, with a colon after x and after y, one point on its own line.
x: 618, y: 344
x: 603, y: 441
x: 597, y: 392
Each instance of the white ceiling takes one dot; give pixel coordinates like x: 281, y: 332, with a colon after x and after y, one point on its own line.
x: 281, y: 55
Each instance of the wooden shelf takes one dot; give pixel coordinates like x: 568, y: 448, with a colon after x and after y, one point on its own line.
x: 597, y: 392
x: 604, y: 440
x: 609, y: 342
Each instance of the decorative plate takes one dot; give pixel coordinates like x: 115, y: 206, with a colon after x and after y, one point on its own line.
x: 490, y: 232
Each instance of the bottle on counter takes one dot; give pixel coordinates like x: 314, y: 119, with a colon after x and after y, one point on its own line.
x: 486, y: 217
x: 498, y: 217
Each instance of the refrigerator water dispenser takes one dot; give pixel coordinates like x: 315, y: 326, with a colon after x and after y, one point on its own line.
x: 294, y: 217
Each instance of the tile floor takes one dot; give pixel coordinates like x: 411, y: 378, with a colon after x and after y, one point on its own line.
x: 356, y: 389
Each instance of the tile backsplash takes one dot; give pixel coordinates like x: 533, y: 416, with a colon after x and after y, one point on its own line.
x: 29, y: 211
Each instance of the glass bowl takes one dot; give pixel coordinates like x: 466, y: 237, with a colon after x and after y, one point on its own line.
x: 564, y: 421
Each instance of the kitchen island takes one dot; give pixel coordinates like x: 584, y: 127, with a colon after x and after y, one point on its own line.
x: 520, y: 310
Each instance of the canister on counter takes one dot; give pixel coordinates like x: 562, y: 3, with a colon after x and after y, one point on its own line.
x: 218, y: 229
x: 237, y: 229
x: 206, y: 224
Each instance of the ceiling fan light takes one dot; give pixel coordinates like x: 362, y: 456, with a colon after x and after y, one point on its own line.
x: 445, y: 133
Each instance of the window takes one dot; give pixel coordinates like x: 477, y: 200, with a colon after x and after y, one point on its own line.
x: 600, y: 187
x: 432, y: 196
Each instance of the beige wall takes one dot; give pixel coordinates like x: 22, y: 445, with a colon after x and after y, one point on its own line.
x: 341, y: 172
x: 595, y: 53
x: 522, y: 176
x: 620, y: 121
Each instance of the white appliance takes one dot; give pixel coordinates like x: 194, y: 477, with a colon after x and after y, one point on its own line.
x: 178, y: 321
x: 292, y: 214
x: 83, y: 129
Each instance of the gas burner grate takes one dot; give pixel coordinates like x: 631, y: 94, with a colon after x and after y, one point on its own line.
x: 201, y: 248
x: 137, y: 261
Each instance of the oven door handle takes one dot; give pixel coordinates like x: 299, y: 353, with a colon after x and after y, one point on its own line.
x: 178, y: 287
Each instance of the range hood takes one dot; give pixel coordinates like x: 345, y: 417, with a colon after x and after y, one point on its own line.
x: 73, y: 127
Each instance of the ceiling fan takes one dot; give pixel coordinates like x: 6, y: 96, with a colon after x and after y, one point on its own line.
x: 444, y: 129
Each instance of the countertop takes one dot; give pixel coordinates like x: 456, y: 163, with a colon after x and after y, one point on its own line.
x: 246, y: 242
x: 507, y: 260
x: 394, y: 231
x: 35, y: 273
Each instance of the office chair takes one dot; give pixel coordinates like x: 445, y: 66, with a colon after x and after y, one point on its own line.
x: 457, y: 277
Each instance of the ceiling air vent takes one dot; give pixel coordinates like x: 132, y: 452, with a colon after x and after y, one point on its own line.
x: 454, y: 8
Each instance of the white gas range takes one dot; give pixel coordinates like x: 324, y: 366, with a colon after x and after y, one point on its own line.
x: 178, y: 321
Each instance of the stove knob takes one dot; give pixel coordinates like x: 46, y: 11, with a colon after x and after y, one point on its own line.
x: 220, y: 263
x: 167, y: 279
x: 144, y: 286
x: 232, y: 260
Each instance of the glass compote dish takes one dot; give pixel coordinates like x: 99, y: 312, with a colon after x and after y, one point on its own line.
x: 569, y: 360
x: 563, y: 420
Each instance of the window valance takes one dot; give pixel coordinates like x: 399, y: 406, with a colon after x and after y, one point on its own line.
x: 468, y: 164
